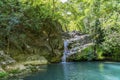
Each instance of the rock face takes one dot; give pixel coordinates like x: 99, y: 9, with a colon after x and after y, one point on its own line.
x: 75, y: 42
x: 1, y: 70
x: 31, y: 64
x: 5, y: 59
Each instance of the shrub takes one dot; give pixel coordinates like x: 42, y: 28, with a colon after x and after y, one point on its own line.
x: 3, y: 74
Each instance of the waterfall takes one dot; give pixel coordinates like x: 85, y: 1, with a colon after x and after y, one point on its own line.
x: 65, y: 51
x: 77, y: 42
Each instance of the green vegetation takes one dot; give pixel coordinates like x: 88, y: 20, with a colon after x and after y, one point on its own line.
x: 35, y: 27
x: 14, y: 71
x: 29, y: 27
x: 101, y: 19
x: 3, y: 74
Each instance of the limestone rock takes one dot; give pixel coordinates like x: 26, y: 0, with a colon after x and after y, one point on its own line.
x: 36, y: 60
x: 77, y: 42
x: 15, y: 67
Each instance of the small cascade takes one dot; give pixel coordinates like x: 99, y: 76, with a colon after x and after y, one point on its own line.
x: 76, y: 42
x: 65, y: 51
x: 64, y: 57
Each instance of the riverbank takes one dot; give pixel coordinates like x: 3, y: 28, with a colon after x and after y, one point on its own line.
x: 20, y: 69
x: 10, y: 67
x: 20, y: 73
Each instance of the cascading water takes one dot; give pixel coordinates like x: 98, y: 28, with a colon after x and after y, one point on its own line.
x: 77, y: 43
x: 65, y: 51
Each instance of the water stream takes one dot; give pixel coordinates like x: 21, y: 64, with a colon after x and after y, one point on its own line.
x: 65, y: 51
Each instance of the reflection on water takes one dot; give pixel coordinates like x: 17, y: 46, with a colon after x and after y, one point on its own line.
x: 78, y: 71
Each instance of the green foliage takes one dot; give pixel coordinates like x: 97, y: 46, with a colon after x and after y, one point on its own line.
x: 3, y: 74
x: 36, y: 23
x: 15, y: 71
x: 26, y: 23
x: 112, y: 44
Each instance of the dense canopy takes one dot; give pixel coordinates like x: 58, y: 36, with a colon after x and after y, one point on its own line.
x: 40, y: 24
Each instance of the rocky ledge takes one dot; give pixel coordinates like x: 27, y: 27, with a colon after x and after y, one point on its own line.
x: 12, y: 68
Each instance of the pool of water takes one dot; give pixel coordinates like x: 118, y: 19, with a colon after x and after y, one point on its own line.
x: 78, y: 71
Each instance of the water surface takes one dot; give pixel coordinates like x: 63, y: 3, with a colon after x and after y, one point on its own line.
x: 78, y: 71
